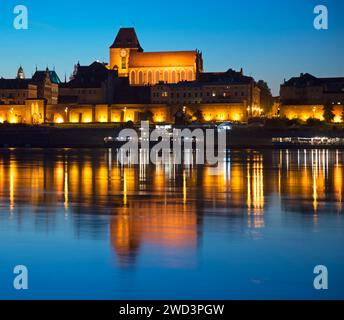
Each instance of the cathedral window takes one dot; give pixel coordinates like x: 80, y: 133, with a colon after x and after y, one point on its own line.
x: 124, y: 63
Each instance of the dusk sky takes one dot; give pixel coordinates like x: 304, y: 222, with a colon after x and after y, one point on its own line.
x: 270, y: 40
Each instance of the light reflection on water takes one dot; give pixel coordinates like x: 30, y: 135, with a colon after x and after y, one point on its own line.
x: 252, y: 227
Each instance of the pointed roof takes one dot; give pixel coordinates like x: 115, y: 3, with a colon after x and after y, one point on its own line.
x: 127, y: 38
x: 40, y: 76
x: 92, y: 76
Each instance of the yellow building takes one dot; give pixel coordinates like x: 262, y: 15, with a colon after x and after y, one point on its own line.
x: 142, y: 68
x: 31, y: 112
x: 305, y: 112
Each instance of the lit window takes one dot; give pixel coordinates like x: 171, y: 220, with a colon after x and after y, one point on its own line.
x: 124, y: 64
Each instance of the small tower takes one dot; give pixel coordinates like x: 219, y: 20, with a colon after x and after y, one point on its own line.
x: 20, y: 73
x: 126, y: 42
x: 75, y: 71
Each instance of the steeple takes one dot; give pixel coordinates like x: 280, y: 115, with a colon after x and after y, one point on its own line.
x: 127, y: 38
x: 20, y: 73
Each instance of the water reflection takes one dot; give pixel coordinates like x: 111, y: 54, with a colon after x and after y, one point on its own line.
x: 164, y: 205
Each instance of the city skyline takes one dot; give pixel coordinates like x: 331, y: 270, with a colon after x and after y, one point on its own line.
x: 262, y: 42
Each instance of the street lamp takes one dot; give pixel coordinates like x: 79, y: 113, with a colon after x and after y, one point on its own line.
x: 66, y: 111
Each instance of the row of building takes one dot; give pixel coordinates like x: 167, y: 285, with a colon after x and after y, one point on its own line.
x: 135, y: 85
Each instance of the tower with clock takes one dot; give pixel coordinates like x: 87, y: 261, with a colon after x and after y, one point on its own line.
x: 149, y: 68
x: 125, y: 42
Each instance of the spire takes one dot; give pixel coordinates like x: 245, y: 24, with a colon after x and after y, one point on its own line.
x: 127, y: 38
x: 20, y: 73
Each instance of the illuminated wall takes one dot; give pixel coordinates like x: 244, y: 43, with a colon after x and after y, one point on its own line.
x: 144, y: 68
x: 31, y: 113
x: 222, y: 112
x: 13, y: 113
x: 102, y: 113
x: 152, y: 75
x: 304, y: 112
x: 81, y: 114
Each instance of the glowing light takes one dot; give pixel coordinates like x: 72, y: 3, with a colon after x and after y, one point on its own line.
x: 87, y: 119
x: 236, y: 117
x: 158, y: 118
x: 59, y: 119
x: 13, y: 119
x: 103, y: 118
x: 337, y: 119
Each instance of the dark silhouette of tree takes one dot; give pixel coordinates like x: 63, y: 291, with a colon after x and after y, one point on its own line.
x: 129, y: 124
x: 199, y: 116
x: 147, y: 116
x: 266, y: 98
x: 180, y: 118
x: 328, y: 112
x: 342, y: 115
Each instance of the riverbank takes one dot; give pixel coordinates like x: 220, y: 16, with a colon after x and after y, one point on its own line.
x: 92, y: 136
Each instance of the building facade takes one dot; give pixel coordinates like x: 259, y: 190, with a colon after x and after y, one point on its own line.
x: 307, y: 89
x: 219, y: 96
x: 305, y: 96
x: 16, y: 91
x: 149, y: 68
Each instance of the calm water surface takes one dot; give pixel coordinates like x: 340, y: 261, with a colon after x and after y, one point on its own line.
x: 254, y: 227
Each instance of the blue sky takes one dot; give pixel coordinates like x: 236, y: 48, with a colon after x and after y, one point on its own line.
x: 271, y: 40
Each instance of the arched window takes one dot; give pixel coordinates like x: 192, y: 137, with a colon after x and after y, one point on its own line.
x: 166, y: 76
x: 178, y: 76
x: 174, y: 79
x: 157, y: 76
x: 132, y: 77
x: 140, y: 77
x: 182, y: 75
x: 190, y: 75
x: 150, y: 77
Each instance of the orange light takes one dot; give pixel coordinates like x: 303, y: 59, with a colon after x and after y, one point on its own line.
x: 58, y: 119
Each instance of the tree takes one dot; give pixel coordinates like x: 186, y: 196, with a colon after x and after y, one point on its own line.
x: 129, y: 124
x: 266, y: 98
x: 342, y: 114
x: 147, y: 116
x: 198, y: 115
x: 180, y: 118
x: 328, y: 112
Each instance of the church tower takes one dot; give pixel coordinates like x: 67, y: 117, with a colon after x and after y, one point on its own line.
x: 126, y: 42
x: 20, y: 73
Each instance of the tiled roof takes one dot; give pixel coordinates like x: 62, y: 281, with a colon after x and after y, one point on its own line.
x: 91, y: 76
x: 39, y: 77
x: 228, y: 77
x: 308, y: 80
x: 126, y: 38
x: 162, y: 59
x: 14, y: 83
